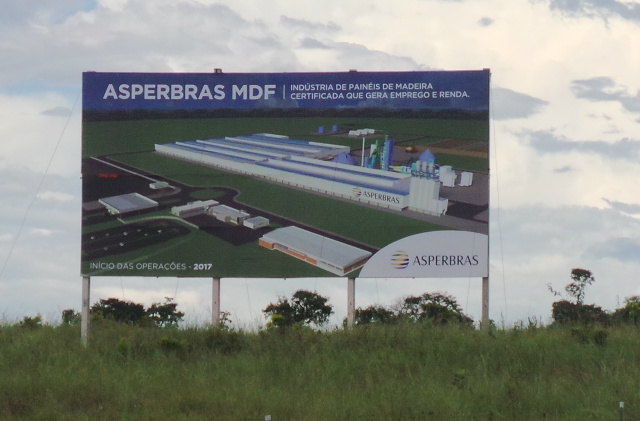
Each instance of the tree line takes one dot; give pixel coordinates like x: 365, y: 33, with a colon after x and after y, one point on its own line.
x: 308, y: 308
x: 571, y: 309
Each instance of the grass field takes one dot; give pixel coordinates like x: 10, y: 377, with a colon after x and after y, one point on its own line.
x: 106, y: 138
x: 402, y: 372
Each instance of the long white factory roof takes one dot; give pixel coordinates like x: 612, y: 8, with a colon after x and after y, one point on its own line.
x: 258, y: 147
x: 317, y: 246
x: 296, y: 157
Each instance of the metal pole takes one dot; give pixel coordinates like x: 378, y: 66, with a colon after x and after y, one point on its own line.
x: 85, y: 322
x: 485, y: 303
x: 485, y: 280
x: 215, y: 306
x: 351, y: 302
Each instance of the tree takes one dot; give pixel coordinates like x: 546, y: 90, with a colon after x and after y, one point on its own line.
x: 581, y: 278
x: 165, y: 315
x: 70, y: 317
x: 567, y: 312
x: 304, y: 307
x: 31, y: 322
x: 120, y: 311
x: 162, y: 315
x: 437, y: 308
x: 628, y: 314
x: 373, y: 314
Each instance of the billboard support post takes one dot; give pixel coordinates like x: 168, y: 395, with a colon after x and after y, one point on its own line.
x: 485, y: 303
x: 85, y: 323
x: 351, y: 302
x: 215, y: 303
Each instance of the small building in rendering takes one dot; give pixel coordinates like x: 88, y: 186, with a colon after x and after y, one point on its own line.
x: 228, y: 214
x: 256, y: 222
x: 193, y: 208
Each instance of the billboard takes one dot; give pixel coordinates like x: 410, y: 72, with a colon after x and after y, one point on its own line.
x: 369, y: 174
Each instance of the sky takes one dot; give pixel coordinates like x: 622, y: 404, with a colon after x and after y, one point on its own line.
x: 564, y: 148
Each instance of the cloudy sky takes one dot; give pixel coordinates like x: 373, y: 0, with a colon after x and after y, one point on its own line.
x: 565, y: 135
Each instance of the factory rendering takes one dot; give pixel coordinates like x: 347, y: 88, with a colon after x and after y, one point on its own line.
x: 318, y: 250
x: 314, y: 166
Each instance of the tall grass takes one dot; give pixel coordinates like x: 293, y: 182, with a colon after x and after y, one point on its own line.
x: 404, y: 372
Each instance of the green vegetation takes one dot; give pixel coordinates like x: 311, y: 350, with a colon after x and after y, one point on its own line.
x: 207, y: 194
x: 206, y: 248
x: 421, y: 361
x: 304, y: 308
x: 374, y: 372
x: 568, y: 313
x: 433, y: 308
x: 465, y: 162
x: 111, y: 137
x: 159, y: 314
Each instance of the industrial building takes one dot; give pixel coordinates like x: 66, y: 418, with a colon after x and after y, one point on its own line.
x: 127, y: 203
x: 307, y: 165
x: 193, y: 208
x: 256, y: 222
x: 228, y: 214
x: 331, y: 255
x: 157, y: 185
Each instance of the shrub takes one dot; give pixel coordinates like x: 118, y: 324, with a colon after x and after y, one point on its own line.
x: 304, y: 307
x: 31, y: 322
x: 161, y: 315
x: 567, y: 313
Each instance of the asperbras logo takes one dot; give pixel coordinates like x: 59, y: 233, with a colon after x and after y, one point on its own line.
x: 357, y: 192
x: 399, y: 260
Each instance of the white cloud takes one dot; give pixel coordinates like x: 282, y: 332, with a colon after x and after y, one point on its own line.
x: 40, y: 232
x: 38, y: 141
x: 601, y: 9
x: 55, y: 196
x: 508, y: 104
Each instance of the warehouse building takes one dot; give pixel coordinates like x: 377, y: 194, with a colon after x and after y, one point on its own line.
x: 128, y: 203
x: 331, y: 255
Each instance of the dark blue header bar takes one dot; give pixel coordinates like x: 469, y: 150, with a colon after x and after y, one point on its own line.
x: 438, y: 90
